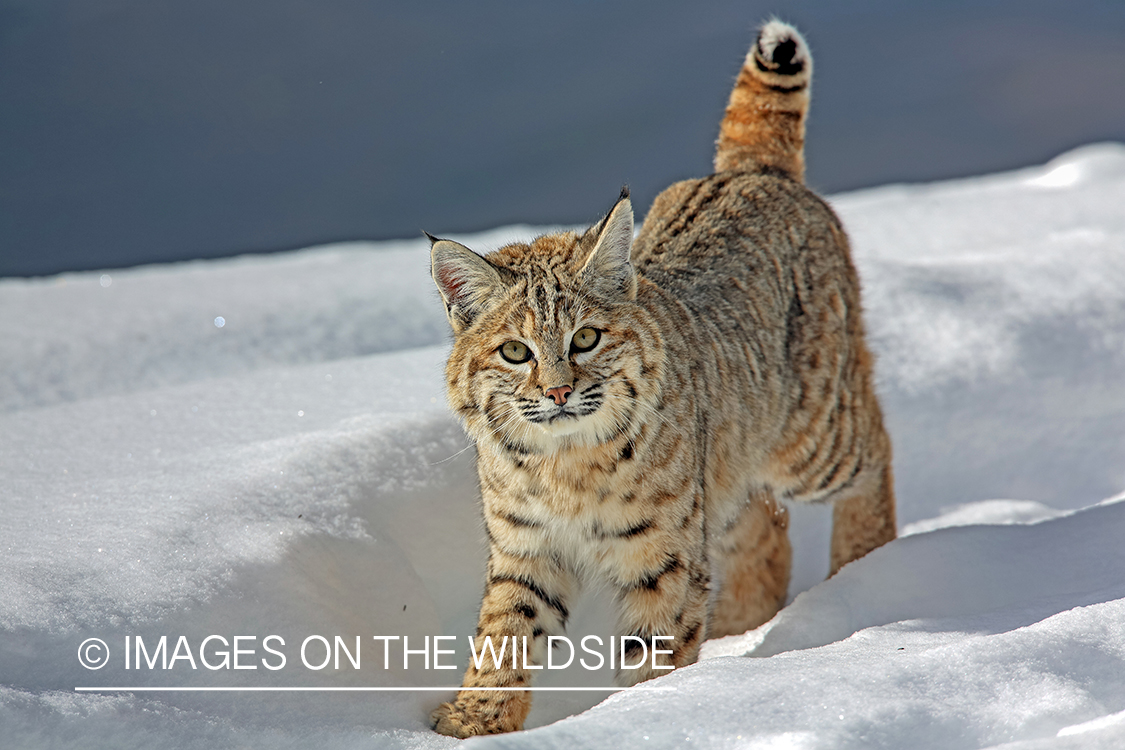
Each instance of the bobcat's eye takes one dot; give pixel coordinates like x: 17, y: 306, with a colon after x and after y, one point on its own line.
x: 515, y: 352
x: 585, y: 340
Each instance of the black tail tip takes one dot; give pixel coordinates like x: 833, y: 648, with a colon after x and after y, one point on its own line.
x: 780, y: 49
x: 784, y: 52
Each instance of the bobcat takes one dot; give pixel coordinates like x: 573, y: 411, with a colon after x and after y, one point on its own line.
x: 640, y: 407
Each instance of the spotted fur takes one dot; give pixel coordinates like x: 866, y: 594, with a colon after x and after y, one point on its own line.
x: 730, y: 373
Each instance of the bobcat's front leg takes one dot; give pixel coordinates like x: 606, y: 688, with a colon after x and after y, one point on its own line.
x: 664, y: 592
x: 525, y: 598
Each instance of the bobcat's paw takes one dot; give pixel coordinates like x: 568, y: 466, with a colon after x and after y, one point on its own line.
x: 450, y: 721
x: 488, y: 716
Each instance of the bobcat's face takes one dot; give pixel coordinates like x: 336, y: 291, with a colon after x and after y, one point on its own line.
x: 551, y: 365
x: 551, y: 348
x: 553, y: 383
x: 570, y: 377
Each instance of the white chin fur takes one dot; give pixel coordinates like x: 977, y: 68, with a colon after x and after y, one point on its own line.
x: 562, y: 427
x: 561, y: 433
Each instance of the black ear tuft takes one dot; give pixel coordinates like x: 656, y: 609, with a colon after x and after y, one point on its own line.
x: 430, y: 237
x: 624, y: 193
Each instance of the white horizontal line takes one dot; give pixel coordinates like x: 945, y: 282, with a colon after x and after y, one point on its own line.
x: 357, y: 689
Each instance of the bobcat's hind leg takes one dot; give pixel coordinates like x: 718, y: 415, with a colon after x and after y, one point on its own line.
x: 755, y: 557
x: 863, y: 518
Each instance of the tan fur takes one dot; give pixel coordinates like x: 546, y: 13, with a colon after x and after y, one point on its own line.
x: 730, y: 374
x: 765, y: 119
x: 755, y: 556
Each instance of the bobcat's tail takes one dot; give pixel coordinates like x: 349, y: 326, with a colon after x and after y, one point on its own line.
x: 765, y: 119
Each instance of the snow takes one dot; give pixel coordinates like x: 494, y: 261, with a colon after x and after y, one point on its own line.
x: 260, y: 446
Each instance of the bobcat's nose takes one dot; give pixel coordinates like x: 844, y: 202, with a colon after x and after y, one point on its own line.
x: 559, y: 393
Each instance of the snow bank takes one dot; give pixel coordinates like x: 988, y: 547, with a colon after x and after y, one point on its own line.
x: 260, y: 446
x: 80, y: 335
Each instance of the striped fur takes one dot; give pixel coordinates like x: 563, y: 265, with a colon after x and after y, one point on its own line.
x: 765, y: 119
x: 729, y: 372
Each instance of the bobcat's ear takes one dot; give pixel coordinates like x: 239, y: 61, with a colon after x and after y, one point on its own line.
x: 607, y: 269
x: 466, y: 280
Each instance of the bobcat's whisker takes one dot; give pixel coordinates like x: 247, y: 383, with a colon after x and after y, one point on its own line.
x: 471, y: 444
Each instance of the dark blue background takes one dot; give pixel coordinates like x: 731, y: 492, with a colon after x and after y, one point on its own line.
x: 138, y: 131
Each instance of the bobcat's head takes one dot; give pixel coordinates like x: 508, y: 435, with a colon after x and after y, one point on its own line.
x: 550, y: 347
